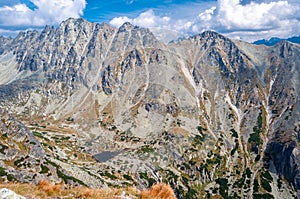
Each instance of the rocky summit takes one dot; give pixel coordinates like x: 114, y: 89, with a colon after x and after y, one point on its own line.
x: 93, y: 105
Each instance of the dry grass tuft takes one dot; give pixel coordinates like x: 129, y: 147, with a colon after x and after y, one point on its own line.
x: 159, y: 191
x: 87, y: 193
x: 43, y: 184
x: 48, y: 188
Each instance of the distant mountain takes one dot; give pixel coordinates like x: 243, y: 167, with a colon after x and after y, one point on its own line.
x: 90, y: 104
x: 275, y: 40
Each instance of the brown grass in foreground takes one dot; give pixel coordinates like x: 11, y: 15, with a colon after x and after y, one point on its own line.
x: 159, y: 191
x: 47, y: 190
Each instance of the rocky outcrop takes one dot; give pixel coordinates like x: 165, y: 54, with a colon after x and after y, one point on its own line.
x: 8, y: 194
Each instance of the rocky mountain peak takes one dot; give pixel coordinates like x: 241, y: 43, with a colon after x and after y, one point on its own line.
x: 48, y: 29
x: 74, y: 22
x: 210, y: 36
x: 126, y: 27
x: 211, y: 116
x: 4, y: 42
x: 286, y: 48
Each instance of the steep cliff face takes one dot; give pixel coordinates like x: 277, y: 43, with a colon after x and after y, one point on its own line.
x: 208, y: 115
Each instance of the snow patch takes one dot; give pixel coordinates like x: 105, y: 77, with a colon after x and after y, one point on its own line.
x: 235, y: 109
x: 187, y: 74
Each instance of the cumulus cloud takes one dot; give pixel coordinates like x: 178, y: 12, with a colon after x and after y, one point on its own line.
x: 145, y: 19
x: 46, y: 12
x: 250, y: 21
x: 233, y: 15
x: 161, y: 26
x: 261, y: 20
x: 253, y: 20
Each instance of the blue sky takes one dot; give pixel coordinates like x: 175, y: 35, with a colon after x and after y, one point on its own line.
x: 240, y: 19
x: 107, y: 9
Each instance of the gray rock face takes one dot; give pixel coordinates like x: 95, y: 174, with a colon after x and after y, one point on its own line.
x: 284, y: 160
x: 208, y: 115
x: 20, y: 148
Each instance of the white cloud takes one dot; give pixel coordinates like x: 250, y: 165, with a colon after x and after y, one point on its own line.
x: 255, y: 20
x: 118, y: 21
x: 233, y: 15
x: 11, y: 33
x: 46, y: 12
x: 249, y: 22
x: 145, y: 19
x: 207, y: 14
x: 161, y: 26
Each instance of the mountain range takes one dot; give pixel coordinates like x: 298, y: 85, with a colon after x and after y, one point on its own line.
x: 276, y: 40
x: 98, y: 106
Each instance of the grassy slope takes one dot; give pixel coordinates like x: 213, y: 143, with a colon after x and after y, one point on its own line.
x: 46, y: 190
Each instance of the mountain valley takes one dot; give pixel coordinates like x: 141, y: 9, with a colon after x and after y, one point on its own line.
x: 98, y: 106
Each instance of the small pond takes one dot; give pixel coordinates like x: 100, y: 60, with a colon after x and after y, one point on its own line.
x: 106, y: 155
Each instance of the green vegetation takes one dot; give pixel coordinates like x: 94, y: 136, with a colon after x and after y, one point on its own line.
x: 181, y: 190
x: 234, y: 133
x: 234, y: 149
x: 111, y: 176
x: 248, y: 172
x: 2, y: 171
x: 201, y: 129
x: 216, y: 160
x: 198, y: 140
x: 255, y: 137
x: 38, y: 134
x: 279, y: 183
x: 44, y: 169
x: 275, y: 112
x: 265, y: 184
x: 3, y: 148
x: 61, y: 175
x: 70, y: 119
x: 266, y: 180
x: 127, y: 177
x: 263, y: 196
x: 267, y: 176
x: 187, y: 166
x: 191, y: 194
x: 17, y: 163
x: 255, y: 186
x: 147, y: 149
x: 239, y: 183
x: 66, y: 138
x: 150, y: 180
x: 171, y: 176
x: 185, y: 180
x: 223, y: 190
x: 66, y: 178
x: 257, y: 158
x: 8, y: 176
x: 259, y: 120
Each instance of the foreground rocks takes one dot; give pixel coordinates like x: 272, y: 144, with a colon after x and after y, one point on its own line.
x: 9, y: 194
